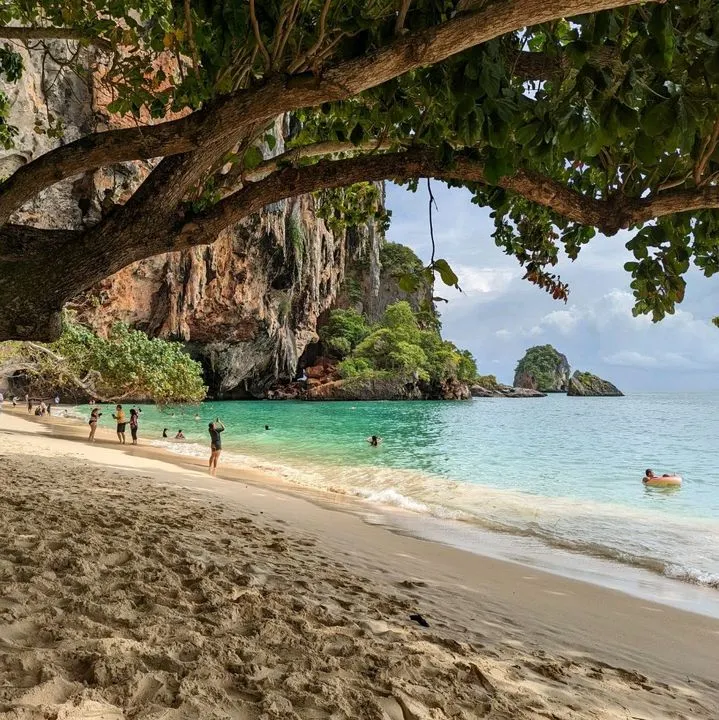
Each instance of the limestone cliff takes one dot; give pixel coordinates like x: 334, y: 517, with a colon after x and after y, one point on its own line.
x: 246, y: 306
x: 542, y: 368
x: 588, y: 385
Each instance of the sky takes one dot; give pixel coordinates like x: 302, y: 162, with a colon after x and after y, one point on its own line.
x: 498, y: 315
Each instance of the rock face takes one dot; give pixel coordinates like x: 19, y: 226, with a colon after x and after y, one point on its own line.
x: 386, y: 389
x: 247, y: 306
x: 505, y: 391
x: 542, y: 368
x: 585, y: 384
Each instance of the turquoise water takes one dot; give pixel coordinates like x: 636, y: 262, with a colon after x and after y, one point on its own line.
x: 565, y: 470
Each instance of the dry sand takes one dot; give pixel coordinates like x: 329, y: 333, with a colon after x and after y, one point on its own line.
x: 136, y: 588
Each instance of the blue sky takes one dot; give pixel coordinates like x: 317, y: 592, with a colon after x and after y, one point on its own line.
x: 498, y: 315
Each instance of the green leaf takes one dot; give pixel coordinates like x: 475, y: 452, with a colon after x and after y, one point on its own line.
x: 446, y: 273
x: 659, y: 119
x: 252, y: 158
x: 524, y: 134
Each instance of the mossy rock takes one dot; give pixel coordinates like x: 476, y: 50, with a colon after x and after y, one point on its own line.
x: 584, y: 384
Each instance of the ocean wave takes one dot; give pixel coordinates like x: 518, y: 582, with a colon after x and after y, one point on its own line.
x: 691, y: 575
x: 391, y: 497
x: 632, y: 536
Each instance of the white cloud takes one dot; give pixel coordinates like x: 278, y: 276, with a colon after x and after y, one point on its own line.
x: 565, y: 321
x: 499, y: 315
x: 661, y: 360
x: 483, y: 280
x: 631, y: 358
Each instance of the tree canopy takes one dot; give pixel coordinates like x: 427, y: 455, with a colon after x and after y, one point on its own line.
x: 396, y: 346
x: 565, y: 117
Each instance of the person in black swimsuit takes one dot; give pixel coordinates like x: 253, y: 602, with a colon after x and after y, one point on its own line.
x: 215, y: 429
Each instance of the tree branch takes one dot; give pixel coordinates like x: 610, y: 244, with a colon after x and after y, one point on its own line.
x: 302, y: 60
x: 258, y: 37
x: 97, y: 150
x: 231, y: 116
x: 401, y: 17
x: 189, y: 30
x: 294, y: 155
x: 82, y: 383
x: 537, y: 66
x: 52, y: 33
x: 708, y: 148
x: 414, y: 163
x: 609, y: 216
x: 22, y: 241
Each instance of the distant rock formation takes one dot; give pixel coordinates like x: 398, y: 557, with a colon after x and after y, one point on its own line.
x: 542, y: 368
x: 585, y: 384
x: 387, y: 389
x: 505, y: 391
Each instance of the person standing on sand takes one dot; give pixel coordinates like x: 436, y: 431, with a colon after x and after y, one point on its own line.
x: 29, y: 403
x: 134, y: 417
x: 119, y: 416
x: 94, y: 417
x: 215, y: 443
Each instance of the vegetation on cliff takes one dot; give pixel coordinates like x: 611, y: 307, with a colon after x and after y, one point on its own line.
x: 125, y: 364
x: 618, y: 131
x: 542, y: 368
x: 397, y: 346
x: 587, y: 384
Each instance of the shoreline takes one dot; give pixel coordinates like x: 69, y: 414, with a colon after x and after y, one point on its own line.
x: 155, y: 572
x: 528, y: 552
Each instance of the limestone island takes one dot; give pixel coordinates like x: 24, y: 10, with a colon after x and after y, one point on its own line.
x: 544, y: 369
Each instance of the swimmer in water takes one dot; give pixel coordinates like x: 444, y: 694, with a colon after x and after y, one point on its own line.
x: 374, y: 441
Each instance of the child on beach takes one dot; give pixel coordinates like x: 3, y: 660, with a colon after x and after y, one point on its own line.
x: 179, y: 435
x: 119, y: 416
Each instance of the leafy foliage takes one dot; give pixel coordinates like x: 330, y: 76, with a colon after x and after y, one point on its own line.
x: 125, y: 364
x: 344, y: 331
x: 487, y: 381
x: 623, y: 108
x: 545, y: 365
x: 396, y: 346
x: 398, y: 260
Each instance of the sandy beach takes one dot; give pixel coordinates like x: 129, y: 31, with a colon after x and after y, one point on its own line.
x: 135, y: 587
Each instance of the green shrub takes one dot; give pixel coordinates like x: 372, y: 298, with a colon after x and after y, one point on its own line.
x: 397, y: 260
x: 125, y: 364
x: 396, y: 346
x: 343, y: 332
